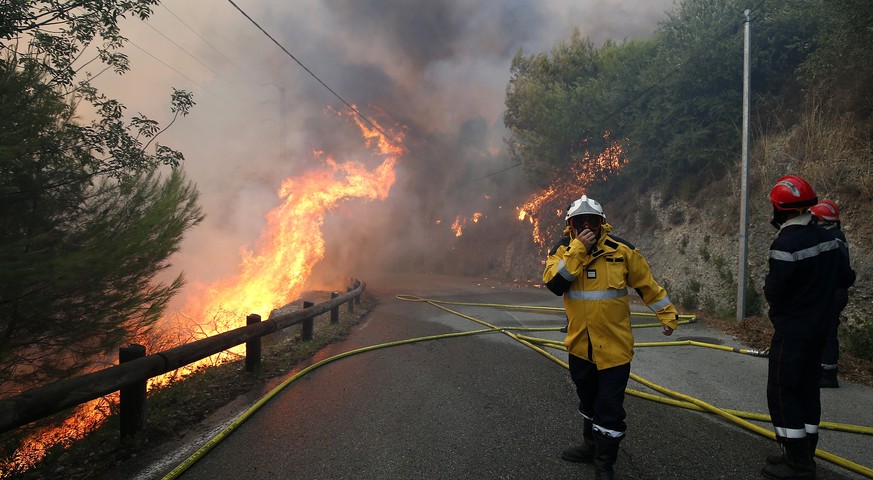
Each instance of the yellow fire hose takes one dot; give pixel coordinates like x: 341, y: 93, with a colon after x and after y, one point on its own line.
x: 679, y: 399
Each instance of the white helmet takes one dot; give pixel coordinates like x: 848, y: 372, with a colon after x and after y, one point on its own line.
x: 584, y: 206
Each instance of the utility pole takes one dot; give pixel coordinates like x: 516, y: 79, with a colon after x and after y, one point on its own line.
x: 744, y: 176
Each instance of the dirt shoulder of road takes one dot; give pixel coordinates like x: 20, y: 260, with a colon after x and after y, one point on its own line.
x: 755, y: 332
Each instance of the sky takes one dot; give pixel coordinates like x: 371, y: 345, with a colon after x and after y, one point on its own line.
x: 438, y: 68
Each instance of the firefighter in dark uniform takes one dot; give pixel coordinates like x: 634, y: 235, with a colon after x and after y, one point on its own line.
x: 806, y: 267
x: 593, y: 272
x: 828, y: 215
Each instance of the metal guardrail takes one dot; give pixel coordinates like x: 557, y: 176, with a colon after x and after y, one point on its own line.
x: 131, y: 376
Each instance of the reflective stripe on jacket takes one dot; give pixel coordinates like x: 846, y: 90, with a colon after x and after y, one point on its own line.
x: 806, y: 267
x: 595, y: 288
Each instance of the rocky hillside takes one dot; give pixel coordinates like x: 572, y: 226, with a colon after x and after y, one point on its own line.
x: 693, y: 248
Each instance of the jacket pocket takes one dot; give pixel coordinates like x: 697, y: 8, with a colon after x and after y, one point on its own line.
x: 616, y: 272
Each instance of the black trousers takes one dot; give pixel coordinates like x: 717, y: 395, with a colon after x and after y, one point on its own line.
x: 792, y: 383
x: 831, y: 355
x: 601, y: 393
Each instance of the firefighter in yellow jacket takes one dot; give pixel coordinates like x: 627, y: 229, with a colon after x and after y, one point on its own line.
x: 593, y: 272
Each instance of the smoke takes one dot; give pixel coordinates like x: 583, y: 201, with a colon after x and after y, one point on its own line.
x: 437, y: 70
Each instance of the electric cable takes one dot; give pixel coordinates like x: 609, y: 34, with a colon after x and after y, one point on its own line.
x: 195, y: 32
x: 201, y: 62
x: 183, y: 75
x: 313, y: 75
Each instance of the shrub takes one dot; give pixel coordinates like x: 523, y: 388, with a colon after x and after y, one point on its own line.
x: 858, y: 340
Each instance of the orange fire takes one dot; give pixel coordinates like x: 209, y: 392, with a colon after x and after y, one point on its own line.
x: 583, y: 172
x: 460, y: 222
x: 458, y: 226
x: 270, y: 277
x: 292, y: 243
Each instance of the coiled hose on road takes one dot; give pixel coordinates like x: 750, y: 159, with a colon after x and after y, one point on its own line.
x: 672, y: 398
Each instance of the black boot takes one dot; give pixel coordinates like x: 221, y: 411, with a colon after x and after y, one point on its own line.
x: 778, y: 458
x: 797, y: 464
x: 828, y: 378
x: 606, y: 452
x: 582, y: 453
x: 812, y: 443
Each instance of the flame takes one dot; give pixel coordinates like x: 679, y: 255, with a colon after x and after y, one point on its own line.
x: 292, y: 242
x: 85, y: 418
x: 584, y: 170
x: 460, y: 222
x: 458, y: 227
x: 271, y: 276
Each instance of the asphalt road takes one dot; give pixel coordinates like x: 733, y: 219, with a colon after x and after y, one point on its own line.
x: 487, y: 407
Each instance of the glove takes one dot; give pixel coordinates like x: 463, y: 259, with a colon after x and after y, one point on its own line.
x: 576, y: 258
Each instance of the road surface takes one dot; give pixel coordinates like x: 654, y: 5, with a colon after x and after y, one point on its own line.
x: 487, y: 407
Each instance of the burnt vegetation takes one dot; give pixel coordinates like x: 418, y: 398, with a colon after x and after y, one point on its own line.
x: 75, y: 198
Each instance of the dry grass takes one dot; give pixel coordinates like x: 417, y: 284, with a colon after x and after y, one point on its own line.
x: 755, y: 332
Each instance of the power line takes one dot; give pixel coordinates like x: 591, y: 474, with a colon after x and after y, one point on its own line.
x: 201, y: 62
x: 200, y: 36
x: 730, y: 30
x: 347, y: 104
x: 179, y: 73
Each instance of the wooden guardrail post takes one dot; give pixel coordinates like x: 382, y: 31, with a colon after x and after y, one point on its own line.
x: 306, y: 328
x: 132, y: 401
x: 356, y: 285
x: 351, y: 303
x: 334, y: 312
x: 54, y: 398
x: 253, y: 346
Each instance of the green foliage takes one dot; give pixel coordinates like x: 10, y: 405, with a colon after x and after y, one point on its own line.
x: 689, y: 297
x: 559, y: 105
x: 674, y: 100
x: 858, y: 340
x: 86, y: 220
x: 842, y: 44
x: 60, y: 32
x: 647, y: 217
x: 725, y: 272
x: 704, y: 252
x: 754, y: 298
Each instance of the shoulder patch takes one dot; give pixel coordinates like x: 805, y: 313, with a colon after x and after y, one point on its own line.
x: 564, y: 241
x: 619, y: 240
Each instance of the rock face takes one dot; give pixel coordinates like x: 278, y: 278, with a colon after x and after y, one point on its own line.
x: 694, y: 252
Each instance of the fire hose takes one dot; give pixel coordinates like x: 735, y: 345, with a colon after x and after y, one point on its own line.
x: 672, y: 398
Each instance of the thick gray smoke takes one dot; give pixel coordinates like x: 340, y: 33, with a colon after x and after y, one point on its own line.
x: 439, y: 68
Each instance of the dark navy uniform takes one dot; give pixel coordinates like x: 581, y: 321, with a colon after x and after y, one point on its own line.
x: 831, y: 355
x: 806, y: 268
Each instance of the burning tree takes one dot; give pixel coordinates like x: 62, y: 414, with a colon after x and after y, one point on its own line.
x: 86, y: 222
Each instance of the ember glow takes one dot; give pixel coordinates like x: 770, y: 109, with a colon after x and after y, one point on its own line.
x: 270, y: 277
x: 584, y: 171
x: 460, y: 222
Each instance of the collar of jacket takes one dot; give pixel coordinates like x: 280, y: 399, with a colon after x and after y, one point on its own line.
x: 802, y: 219
x: 604, y: 231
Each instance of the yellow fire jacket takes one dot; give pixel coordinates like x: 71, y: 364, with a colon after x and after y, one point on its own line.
x: 595, y: 289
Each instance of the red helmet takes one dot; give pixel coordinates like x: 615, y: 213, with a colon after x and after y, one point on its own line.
x: 792, y: 193
x: 826, y: 211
